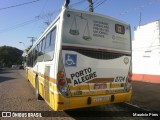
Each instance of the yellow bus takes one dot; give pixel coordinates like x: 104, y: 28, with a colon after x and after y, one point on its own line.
x: 82, y: 59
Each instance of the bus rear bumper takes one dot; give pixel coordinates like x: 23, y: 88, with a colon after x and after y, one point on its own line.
x: 88, y: 101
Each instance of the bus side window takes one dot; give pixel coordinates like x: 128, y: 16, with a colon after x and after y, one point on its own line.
x: 37, y: 50
x: 28, y: 60
x: 47, y: 47
x: 35, y: 53
x: 53, y: 37
x: 47, y: 41
x: 41, y: 50
x: 50, y: 44
x: 43, y: 45
x: 31, y: 58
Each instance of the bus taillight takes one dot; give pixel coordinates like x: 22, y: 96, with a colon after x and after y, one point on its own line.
x: 128, y: 86
x: 61, y: 78
x: 130, y: 77
x: 60, y: 74
x: 62, y: 82
x: 129, y: 80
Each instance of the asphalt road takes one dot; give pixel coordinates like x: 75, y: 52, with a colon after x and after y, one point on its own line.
x: 17, y: 94
x: 146, y: 95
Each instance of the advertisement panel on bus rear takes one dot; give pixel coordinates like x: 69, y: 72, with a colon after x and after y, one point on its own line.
x: 93, y: 30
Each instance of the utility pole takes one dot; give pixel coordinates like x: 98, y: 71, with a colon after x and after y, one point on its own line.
x: 91, y: 9
x: 23, y: 44
x: 66, y: 3
x: 32, y: 39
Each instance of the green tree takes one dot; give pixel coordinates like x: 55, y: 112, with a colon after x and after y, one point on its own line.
x: 28, y: 48
x: 10, y: 55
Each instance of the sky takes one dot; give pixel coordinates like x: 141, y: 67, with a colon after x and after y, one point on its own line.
x: 22, y: 19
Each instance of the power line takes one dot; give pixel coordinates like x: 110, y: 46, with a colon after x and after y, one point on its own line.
x: 100, y: 4
x: 19, y: 5
x: 77, y: 3
x: 94, y: 2
x: 39, y: 17
x: 18, y: 25
x: 35, y: 24
x: 97, y: 3
x: 139, y: 7
x: 88, y: 6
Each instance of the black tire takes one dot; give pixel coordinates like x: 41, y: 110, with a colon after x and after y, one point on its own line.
x: 27, y: 76
x: 38, y: 96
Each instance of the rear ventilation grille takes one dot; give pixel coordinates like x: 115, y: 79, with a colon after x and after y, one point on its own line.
x: 97, y: 54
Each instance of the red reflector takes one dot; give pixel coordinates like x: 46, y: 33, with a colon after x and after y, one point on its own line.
x: 62, y: 82
x: 129, y: 80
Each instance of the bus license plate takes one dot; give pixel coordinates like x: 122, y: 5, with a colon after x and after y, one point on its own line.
x: 100, y: 86
x: 103, y: 98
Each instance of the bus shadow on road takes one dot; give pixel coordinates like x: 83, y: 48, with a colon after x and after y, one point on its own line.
x: 4, y: 79
x: 94, y: 113
x: 3, y: 71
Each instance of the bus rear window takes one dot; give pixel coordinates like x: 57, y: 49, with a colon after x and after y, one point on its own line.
x: 119, y: 29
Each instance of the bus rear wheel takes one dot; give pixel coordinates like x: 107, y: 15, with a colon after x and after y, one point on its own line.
x: 38, y: 96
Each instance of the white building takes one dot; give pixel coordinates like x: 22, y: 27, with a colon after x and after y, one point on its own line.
x: 146, y: 52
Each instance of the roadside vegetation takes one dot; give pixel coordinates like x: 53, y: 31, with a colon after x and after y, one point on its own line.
x: 10, y: 56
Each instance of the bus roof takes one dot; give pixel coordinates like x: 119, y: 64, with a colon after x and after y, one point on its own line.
x: 97, y: 14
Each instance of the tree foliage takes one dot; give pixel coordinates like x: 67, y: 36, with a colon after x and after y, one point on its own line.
x: 28, y: 48
x: 10, y: 56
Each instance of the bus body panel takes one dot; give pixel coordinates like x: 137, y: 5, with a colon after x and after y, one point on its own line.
x: 93, y: 76
x: 81, y: 102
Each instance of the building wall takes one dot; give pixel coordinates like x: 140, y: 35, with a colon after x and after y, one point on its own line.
x: 146, y: 52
